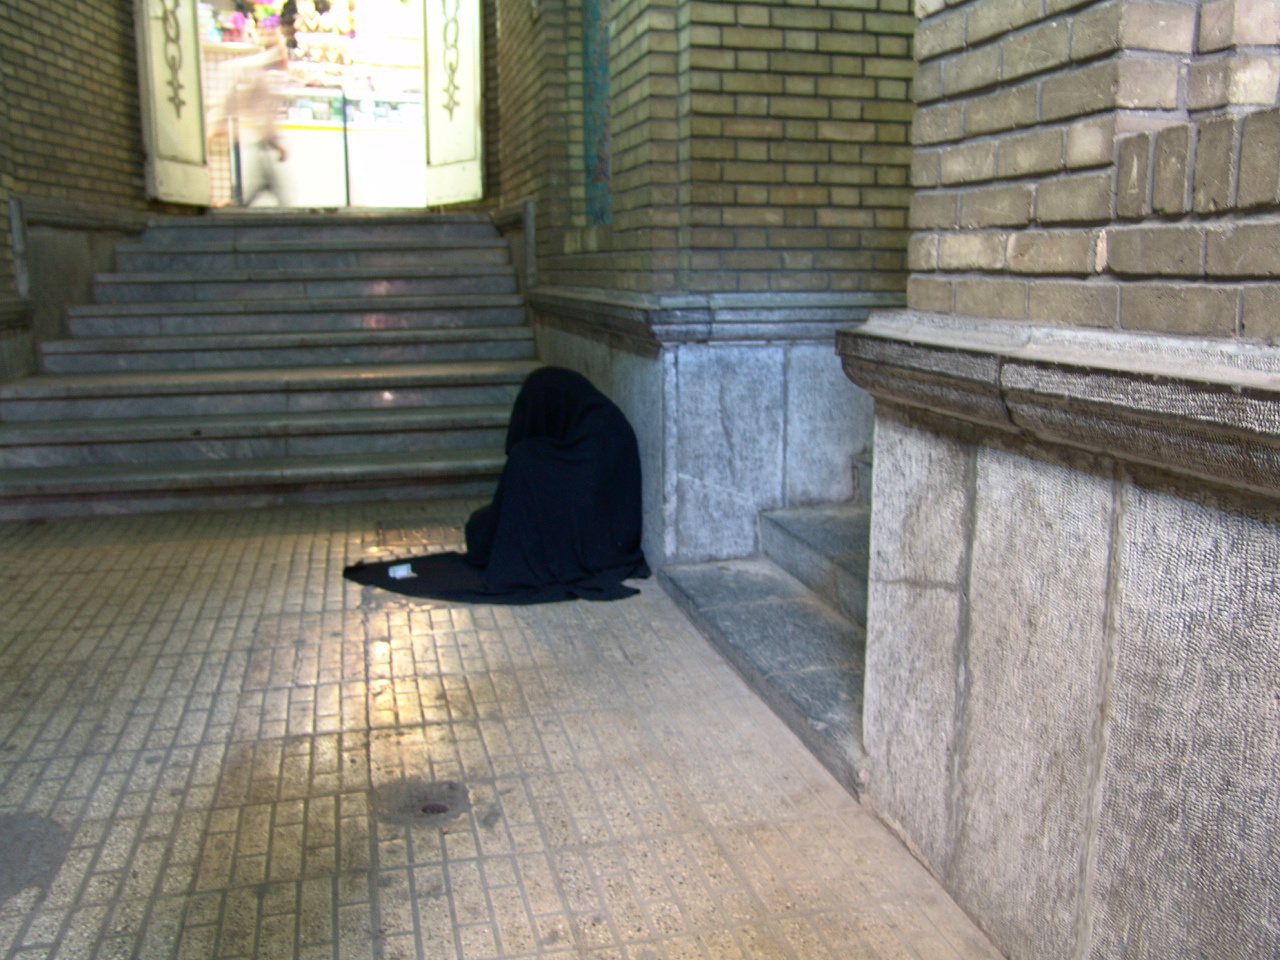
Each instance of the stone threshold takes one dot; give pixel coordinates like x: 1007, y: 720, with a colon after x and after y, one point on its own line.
x: 1207, y: 409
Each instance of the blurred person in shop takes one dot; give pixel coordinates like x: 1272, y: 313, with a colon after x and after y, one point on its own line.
x: 248, y: 115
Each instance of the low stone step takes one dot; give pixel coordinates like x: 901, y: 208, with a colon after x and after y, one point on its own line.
x: 231, y: 255
x: 63, y: 491
x: 254, y: 435
x: 68, y: 396
x: 826, y: 548
x: 284, y: 349
x: 292, y: 316
x: 803, y: 658
x: 302, y: 283
x: 310, y: 226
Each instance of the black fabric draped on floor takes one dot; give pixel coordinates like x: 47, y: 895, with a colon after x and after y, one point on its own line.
x: 565, y: 520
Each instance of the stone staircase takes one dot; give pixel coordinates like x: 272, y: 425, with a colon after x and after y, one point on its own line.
x: 256, y: 359
x: 793, y: 623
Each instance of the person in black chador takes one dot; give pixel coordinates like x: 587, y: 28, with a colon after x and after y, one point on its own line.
x: 565, y: 520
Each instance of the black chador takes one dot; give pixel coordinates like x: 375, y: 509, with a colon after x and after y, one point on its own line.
x: 565, y: 520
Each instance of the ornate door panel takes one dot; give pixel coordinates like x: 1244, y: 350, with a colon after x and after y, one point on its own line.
x: 172, y: 107
x: 453, y: 102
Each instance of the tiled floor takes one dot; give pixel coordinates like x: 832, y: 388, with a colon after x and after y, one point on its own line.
x: 211, y: 745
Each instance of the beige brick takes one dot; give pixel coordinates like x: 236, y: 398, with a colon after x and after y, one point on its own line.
x: 937, y: 124
x: 1096, y: 30
x: 1229, y: 23
x: 1077, y: 92
x: 846, y: 131
x: 1083, y: 198
x: 1260, y: 311
x: 1189, y: 308
x: 751, y: 38
x: 993, y: 17
x: 1037, y: 152
x: 940, y: 34
x: 971, y: 251
x: 1243, y: 250
x: 1172, y: 250
x: 1148, y: 84
x: 1166, y: 27
x: 1133, y: 177
x: 1215, y: 148
x: 934, y: 210
x: 1076, y: 303
x: 1259, y: 160
x: 1041, y: 48
x: 1091, y: 143
x: 927, y: 85
x: 1170, y: 183
x: 1233, y: 80
x: 1051, y: 251
x: 922, y: 252
x: 1002, y: 110
x: 800, y: 18
x: 969, y: 162
x: 926, y: 168
x: 989, y: 297
x: 1003, y: 206
x: 971, y: 70
x: 931, y: 294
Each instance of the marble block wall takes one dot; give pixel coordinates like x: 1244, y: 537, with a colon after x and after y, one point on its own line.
x: 726, y: 429
x: 1071, y: 699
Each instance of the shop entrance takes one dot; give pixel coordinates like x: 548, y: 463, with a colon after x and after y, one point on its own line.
x: 312, y: 103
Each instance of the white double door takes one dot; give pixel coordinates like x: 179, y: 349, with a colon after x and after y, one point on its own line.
x: 173, y: 109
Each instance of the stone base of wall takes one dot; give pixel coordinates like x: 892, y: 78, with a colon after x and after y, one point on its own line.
x: 17, y: 351
x: 1072, y: 646
x: 58, y: 246
x: 727, y: 425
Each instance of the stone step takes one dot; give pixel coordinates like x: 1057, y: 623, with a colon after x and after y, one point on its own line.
x: 293, y: 316
x: 71, y: 396
x: 230, y: 255
x: 300, y: 284
x: 826, y: 548
x: 99, y: 354
x: 251, y: 435
x: 803, y: 658
x: 309, y: 226
x: 269, y: 481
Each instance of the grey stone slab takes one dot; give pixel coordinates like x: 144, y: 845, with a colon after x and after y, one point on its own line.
x: 734, y: 583
x: 787, y: 634
x: 914, y: 644
x: 1187, y: 861
x: 829, y: 423
x: 922, y: 488
x: 369, y: 353
x: 728, y: 433
x: 825, y: 548
x: 801, y: 657
x: 1033, y: 691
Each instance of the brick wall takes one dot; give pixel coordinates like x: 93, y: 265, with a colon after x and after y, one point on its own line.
x: 1109, y: 165
x: 796, y: 160
x: 69, y: 123
x: 755, y: 146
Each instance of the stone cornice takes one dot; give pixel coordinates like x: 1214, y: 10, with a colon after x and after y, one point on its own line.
x: 650, y: 320
x: 1203, y: 408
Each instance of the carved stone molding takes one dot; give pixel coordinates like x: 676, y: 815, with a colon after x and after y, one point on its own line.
x: 644, y: 322
x: 1209, y: 409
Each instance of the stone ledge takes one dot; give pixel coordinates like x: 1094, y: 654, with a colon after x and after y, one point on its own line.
x: 647, y: 321
x: 1209, y: 409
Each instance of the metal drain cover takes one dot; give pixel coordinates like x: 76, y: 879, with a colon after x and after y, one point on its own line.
x: 415, y: 801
